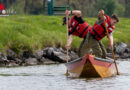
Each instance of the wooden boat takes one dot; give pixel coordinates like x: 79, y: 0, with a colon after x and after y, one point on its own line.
x: 91, y: 66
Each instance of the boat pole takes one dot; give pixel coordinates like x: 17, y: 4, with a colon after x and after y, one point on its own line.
x: 110, y: 45
x: 67, y: 41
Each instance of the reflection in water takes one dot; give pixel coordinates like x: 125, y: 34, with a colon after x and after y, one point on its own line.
x: 52, y: 77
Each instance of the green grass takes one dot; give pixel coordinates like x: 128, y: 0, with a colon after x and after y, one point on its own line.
x: 37, y: 32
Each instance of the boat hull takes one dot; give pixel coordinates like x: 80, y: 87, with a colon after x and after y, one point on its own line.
x: 90, y: 66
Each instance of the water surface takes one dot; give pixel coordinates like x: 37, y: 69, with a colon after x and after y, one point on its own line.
x: 52, y: 77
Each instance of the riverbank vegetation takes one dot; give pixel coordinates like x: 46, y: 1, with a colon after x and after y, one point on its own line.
x: 36, y: 32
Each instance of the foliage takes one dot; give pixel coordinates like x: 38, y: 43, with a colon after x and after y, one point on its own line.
x: 88, y: 7
x: 127, y: 8
x: 107, y: 5
x: 119, y: 10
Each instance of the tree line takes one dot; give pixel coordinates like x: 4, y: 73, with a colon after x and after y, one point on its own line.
x: 88, y: 7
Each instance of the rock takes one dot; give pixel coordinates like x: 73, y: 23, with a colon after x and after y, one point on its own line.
x: 49, y: 52
x: 110, y: 55
x: 12, y: 63
x: 45, y: 52
x: 73, y: 55
x: 41, y: 61
x: 31, y: 61
x: 55, y: 54
x: 2, y: 57
x: 124, y: 56
x: 10, y: 54
x: 48, y: 61
x: 25, y: 54
x: 38, y: 54
x: 129, y: 55
x: 120, y: 48
x: 58, y: 54
x: 19, y: 61
x: 61, y: 50
x: 127, y: 50
x: 3, y: 60
x: 3, y: 63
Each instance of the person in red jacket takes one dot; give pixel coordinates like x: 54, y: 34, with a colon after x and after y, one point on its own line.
x: 98, y: 32
x: 95, y: 34
x: 77, y: 27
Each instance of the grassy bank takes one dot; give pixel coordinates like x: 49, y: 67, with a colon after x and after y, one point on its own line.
x: 36, y: 32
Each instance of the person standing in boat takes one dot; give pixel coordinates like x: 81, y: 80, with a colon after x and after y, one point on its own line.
x: 94, y: 34
x: 97, y: 32
x: 77, y: 27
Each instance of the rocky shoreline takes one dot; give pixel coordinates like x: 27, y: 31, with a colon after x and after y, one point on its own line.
x: 53, y: 55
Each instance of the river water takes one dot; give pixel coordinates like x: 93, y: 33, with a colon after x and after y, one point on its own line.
x: 52, y: 77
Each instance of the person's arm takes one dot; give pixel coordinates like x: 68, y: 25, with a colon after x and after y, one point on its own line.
x: 111, y: 40
x: 100, y: 20
x: 74, y: 12
x: 101, y: 13
x: 69, y: 41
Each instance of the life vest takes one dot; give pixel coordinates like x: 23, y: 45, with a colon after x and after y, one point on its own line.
x: 98, y: 31
x: 78, y: 29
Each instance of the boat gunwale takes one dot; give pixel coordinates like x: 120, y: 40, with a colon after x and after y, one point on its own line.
x: 108, y: 60
x: 74, y: 61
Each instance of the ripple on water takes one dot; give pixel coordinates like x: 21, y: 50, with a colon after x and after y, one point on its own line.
x: 52, y: 77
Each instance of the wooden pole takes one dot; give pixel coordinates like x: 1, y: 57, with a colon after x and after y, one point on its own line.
x: 111, y: 45
x: 67, y: 41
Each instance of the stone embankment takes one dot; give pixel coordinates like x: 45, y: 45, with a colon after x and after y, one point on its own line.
x: 52, y: 55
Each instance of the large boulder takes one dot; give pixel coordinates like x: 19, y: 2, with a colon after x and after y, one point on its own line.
x: 54, y: 54
x: 58, y: 54
x: 120, y: 48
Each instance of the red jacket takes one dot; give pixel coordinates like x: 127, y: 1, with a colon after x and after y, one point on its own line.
x: 98, y: 30
x: 78, y: 29
x: 2, y: 7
